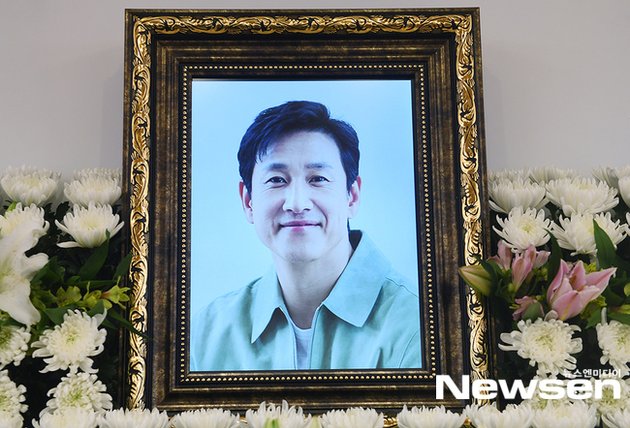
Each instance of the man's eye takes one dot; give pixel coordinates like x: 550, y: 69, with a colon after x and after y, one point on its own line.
x: 276, y: 180
x: 319, y: 179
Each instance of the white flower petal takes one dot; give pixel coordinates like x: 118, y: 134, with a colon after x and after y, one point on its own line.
x: 135, y: 418
x: 13, y: 344
x: 290, y: 417
x: 576, y: 233
x: 624, y: 189
x: 70, y: 417
x: 546, y: 344
x: 96, y: 190
x: 11, y: 395
x: 71, y: 344
x: 523, y: 228
x: 437, y: 417
x: 506, y: 195
x: 81, y: 391
x: 575, y: 415
x: 581, y: 196
x: 206, y: 418
x: 617, y: 419
x: 614, y: 340
x: 355, y: 417
x: 490, y: 416
x: 30, y: 185
x: 543, y: 175
x: 89, y: 226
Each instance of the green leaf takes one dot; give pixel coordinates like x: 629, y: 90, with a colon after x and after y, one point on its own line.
x: 594, y: 319
x: 126, y: 324
x: 95, y: 262
x: 553, y: 263
x: 622, y: 318
x: 52, y: 273
x: 56, y: 314
x: 612, y: 298
x: 606, y: 254
x: 99, y: 308
x: 123, y: 267
x: 69, y: 296
x: 626, y: 289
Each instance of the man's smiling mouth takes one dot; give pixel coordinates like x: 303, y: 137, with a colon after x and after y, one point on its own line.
x: 298, y: 224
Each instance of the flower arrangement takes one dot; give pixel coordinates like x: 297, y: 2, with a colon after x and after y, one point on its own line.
x: 60, y: 292
x: 560, y: 278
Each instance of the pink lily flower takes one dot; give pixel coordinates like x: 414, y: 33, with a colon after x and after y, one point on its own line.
x: 572, y: 288
x: 528, y: 307
x: 524, y: 263
x: 504, y: 255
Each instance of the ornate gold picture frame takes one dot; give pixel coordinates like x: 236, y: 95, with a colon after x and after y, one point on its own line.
x: 438, y: 52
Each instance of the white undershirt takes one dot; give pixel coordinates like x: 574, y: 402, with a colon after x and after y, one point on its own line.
x: 303, y: 337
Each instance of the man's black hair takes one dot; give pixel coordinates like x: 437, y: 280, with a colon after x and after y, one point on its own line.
x: 277, y: 122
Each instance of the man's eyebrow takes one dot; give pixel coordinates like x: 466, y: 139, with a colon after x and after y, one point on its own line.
x: 318, y: 165
x: 278, y: 166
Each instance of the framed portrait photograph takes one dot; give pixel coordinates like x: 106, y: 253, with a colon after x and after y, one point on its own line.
x: 302, y: 187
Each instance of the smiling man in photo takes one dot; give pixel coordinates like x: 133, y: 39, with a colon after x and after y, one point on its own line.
x: 331, y: 300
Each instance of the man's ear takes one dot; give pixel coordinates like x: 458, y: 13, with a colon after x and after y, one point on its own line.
x: 246, y: 200
x: 354, y: 197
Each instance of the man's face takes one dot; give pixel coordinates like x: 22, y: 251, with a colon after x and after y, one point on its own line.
x: 299, y: 202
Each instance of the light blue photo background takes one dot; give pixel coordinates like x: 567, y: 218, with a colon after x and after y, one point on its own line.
x: 226, y: 253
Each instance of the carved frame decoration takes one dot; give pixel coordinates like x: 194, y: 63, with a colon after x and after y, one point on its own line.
x: 145, y: 27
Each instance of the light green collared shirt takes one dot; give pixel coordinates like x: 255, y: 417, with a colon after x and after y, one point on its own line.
x: 370, y: 319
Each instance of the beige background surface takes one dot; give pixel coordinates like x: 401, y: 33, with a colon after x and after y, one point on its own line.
x: 556, y: 77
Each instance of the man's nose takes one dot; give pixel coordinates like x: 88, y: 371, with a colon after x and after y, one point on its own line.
x: 297, y: 198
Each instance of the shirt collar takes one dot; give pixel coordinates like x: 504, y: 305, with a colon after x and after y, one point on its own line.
x: 355, y: 293
x: 266, y: 299
x: 360, y: 283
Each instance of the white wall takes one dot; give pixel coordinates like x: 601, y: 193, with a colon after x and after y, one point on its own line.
x: 556, y: 78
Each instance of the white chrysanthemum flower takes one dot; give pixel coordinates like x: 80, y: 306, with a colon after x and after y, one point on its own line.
x: 608, y: 403
x: 71, y: 344
x: 545, y: 174
x: 26, y: 220
x: 290, y: 417
x: 524, y: 228
x: 581, y: 195
x: 107, y: 173
x: 9, y: 420
x: 509, y: 175
x: 617, y: 419
x: 134, y: 418
x: 11, y: 396
x: 206, y: 418
x: 546, y: 344
x: 30, y: 185
x: 606, y: 175
x: 71, y: 417
x: 576, y: 233
x: 98, y: 190
x: 538, y: 402
x: 624, y: 189
x: 506, y: 195
x: 436, y: 417
x: 16, y: 272
x: 13, y: 344
x: 490, y: 416
x: 79, y: 390
x: 88, y: 226
x: 611, y: 176
x: 614, y: 340
x: 355, y: 417
x: 575, y: 415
